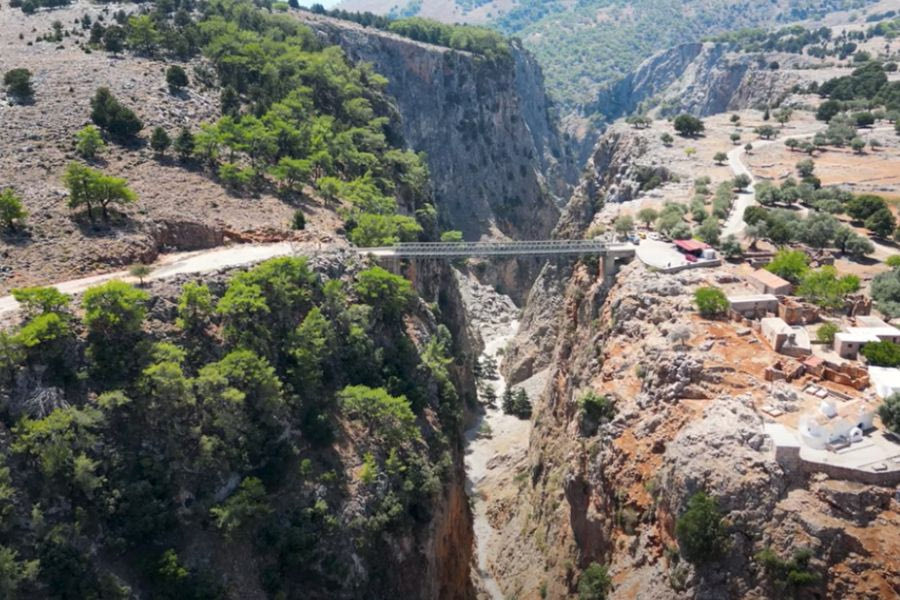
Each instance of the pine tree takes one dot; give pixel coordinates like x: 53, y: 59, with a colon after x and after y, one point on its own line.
x: 160, y: 141
x: 184, y: 144
x: 509, y: 401
x: 522, y: 405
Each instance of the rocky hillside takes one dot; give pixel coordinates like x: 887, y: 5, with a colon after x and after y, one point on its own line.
x: 497, y: 165
x: 633, y: 423
x: 497, y: 160
x: 704, y: 79
x: 684, y: 420
x: 584, y: 46
x: 612, y: 174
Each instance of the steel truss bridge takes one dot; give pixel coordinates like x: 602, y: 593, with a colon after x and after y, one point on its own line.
x: 450, y: 250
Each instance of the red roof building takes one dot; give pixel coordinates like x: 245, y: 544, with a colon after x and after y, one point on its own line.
x: 691, y: 246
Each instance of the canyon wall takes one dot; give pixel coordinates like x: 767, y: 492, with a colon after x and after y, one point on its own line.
x: 610, y: 491
x: 703, y: 79
x: 498, y: 165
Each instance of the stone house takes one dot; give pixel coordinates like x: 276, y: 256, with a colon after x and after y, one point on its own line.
x: 754, y: 305
x: 769, y: 283
x: 785, y: 339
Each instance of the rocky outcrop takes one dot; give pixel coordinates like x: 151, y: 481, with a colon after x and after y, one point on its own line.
x: 613, y: 495
x: 701, y: 79
x: 611, y: 175
x: 185, y: 235
x: 498, y: 165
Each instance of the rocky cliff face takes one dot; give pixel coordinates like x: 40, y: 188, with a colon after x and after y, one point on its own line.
x: 684, y: 421
x: 610, y: 175
x: 701, y: 79
x: 497, y: 163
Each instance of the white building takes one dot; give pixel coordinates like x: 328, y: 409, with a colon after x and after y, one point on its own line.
x: 885, y: 380
x: 793, y: 341
x: 845, y: 423
x: 847, y: 344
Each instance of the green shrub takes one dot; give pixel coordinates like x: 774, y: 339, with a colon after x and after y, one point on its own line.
x: 882, y: 354
x: 700, y: 530
x: 176, y: 78
x: 594, y: 583
x: 688, y: 125
x: 243, y: 508
x: 791, y: 265
x: 387, y: 417
x: 18, y: 84
x: 594, y: 409
x: 788, y: 575
x: 826, y: 332
x: 298, y: 221
x: 711, y: 301
x: 89, y: 142
x: 389, y: 294
x: 113, y: 315
x: 889, y: 412
x: 825, y: 289
x: 113, y: 117
x: 38, y: 300
x: 11, y: 210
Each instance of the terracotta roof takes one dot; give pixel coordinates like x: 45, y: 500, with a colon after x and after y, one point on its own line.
x: 691, y: 245
x: 770, y: 279
x: 813, y: 361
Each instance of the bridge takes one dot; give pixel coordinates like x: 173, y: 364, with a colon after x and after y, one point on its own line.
x: 609, y: 253
x: 450, y: 250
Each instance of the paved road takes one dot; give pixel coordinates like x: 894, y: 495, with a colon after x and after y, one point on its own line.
x: 202, y: 261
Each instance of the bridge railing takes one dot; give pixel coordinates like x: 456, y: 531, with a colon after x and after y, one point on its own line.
x: 514, y: 248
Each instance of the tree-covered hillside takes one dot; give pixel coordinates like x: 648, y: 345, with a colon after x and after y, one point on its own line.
x: 587, y: 44
x: 277, y: 432
x: 304, y: 422
x: 594, y: 42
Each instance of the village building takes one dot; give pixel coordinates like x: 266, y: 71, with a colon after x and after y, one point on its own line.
x: 847, y: 344
x: 769, y: 283
x: 793, y: 341
x: 885, y: 380
x: 837, y: 425
x: 754, y: 305
x: 693, y: 248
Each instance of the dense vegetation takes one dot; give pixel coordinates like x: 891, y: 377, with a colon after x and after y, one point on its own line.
x: 866, y: 87
x: 296, y: 115
x: 588, y: 44
x: 885, y: 292
x: 135, y: 428
x: 469, y: 38
x: 820, y: 229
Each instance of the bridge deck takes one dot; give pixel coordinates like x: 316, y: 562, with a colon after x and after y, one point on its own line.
x: 517, y: 248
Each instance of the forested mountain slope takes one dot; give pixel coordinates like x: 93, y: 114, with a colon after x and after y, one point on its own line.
x: 288, y: 431
x: 585, y: 45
